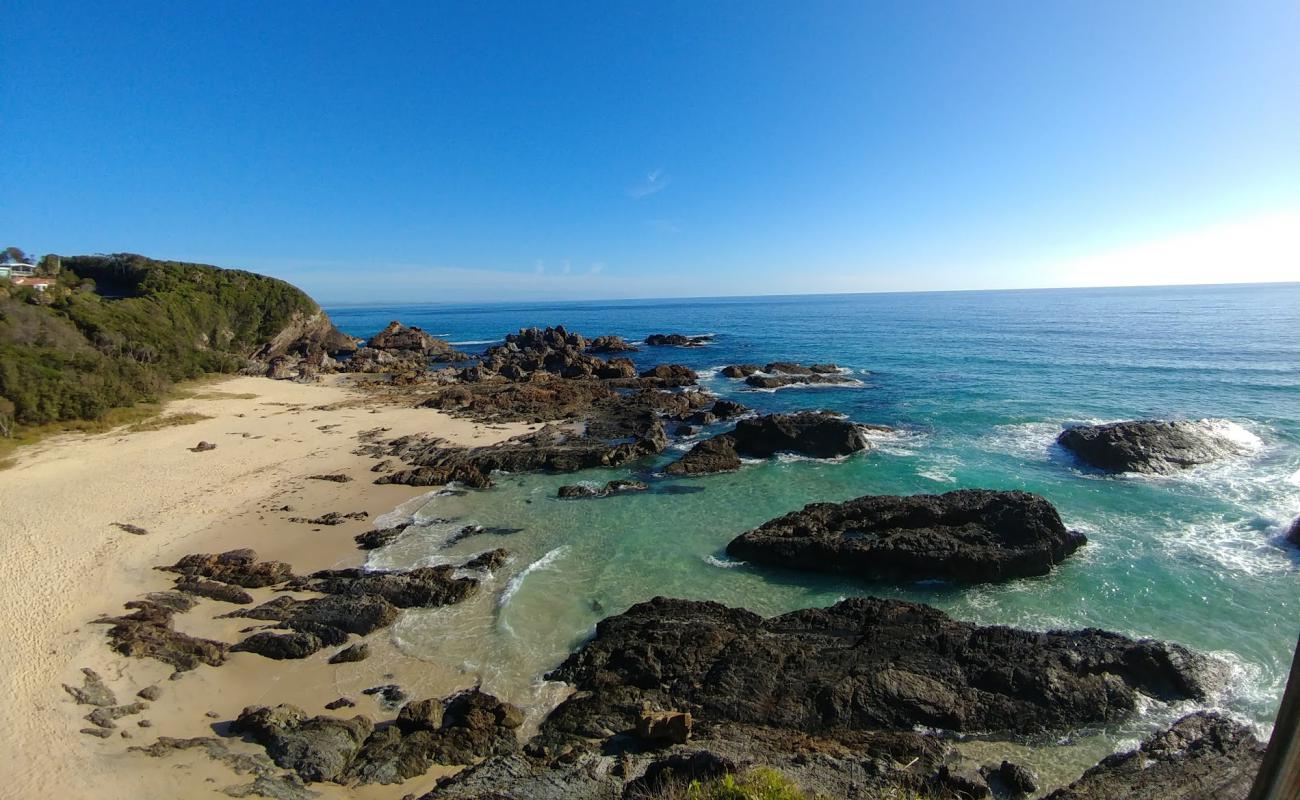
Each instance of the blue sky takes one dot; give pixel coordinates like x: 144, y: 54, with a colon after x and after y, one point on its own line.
x: 458, y: 151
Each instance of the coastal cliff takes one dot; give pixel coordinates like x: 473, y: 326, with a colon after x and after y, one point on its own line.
x: 113, y: 330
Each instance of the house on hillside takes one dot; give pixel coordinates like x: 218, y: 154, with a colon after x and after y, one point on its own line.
x: 39, y: 284
x: 9, y: 268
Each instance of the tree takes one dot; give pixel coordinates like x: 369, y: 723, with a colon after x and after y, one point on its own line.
x: 6, y: 417
x: 15, y: 254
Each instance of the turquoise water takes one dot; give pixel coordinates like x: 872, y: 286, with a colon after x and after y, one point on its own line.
x: 978, y: 385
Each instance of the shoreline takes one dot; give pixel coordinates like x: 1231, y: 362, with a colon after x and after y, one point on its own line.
x: 67, y: 564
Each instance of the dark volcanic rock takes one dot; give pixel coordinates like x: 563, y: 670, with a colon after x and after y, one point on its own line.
x: 1152, y: 446
x: 419, y: 587
x: 280, y: 645
x: 238, y: 567
x: 677, y: 340
x: 357, y: 652
x: 317, y: 748
x: 491, y: 560
x: 475, y: 725
x: 610, y: 488
x: 669, y: 375
x: 1010, y: 779
x: 711, y: 455
x: 970, y: 535
x: 1202, y: 757
x: 1293, y: 535
x: 380, y: 537
x: 862, y: 664
x: 820, y: 434
x: 225, y: 592
x: 728, y: 409
x: 362, y: 614
x: 610, y: 344
x: 678, y: 769
x: 148, y: 632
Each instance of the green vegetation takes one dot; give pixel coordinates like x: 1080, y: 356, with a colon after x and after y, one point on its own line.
x: 119, y: 330
x: 167, y: 421
x: 760, y: 783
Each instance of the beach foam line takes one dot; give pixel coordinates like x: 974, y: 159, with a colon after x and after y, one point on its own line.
x: 517, y: 581
x: 723, y: 562
x: 476, y: 341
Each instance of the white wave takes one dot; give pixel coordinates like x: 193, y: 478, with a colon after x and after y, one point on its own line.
x: 1028, y: 440
x: 404, y: 513
x: 517, y: 581
x: 853, y: 384
x: 724, y: 562
x: 896, y: 442
x: 476, y: 341
x: 1238, y: 434
x: 936, y: 475
x: 1233, y: 544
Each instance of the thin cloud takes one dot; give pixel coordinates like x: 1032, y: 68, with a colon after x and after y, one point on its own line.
x: 596, y: 268
x: 653, y: 183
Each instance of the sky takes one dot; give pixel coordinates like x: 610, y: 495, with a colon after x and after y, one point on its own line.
x: 462, y: 152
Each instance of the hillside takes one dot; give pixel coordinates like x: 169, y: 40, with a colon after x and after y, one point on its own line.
x: 115, y: 330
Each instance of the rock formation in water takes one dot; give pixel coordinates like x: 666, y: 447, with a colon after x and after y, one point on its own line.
x: 677, y: 340
x: 817, y: 434
x: 1151, y: 446
x: 970, y: 536
x: 577, y: 491
x: 1204, y: 756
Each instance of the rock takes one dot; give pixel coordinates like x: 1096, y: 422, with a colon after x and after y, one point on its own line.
x: 332, y: 517
x: 104, y: 717
x: 381, y: 537
x: 610, y: 344
x: 148, y: 632
x: 664, y: 727
x: 149, y: 693
x: 490, y: 560
x: 238, y: 567
x: 144, y: 723
x: 420, y: 715
x: 738, y: 371
x: 1010, y: 779
x: 423, y: 587
x: 686, y: 430
x: 610, y: 488
x: 135, y: 529
x: 357, y: 652
x: 728, y: 409
x: 948, y: 781
x: 1293, y: 535
x: 336, y: 477
x: 971, y: 535
x: 276, y: 787
x: 317, y: 748
x: 399, y: 337
x: 203, y: 447
x: 102, y: 733
x: 819, y: 434
x: 475, y: 725
x: 342, y: 702
x: 670, y: 375
x: 1151, y: 446
x: 779, y: 381
x: 717, y: 454
x: 280, y: 645
x: 677, y: 340
x: 172, y: 601
x: 225, y: 592
x: 361, y: 614
x: 616, y: 369
x: 864, y: 664
x: 93, y: 691
x: 1204, y: 756
x: 678, y: 769
x: 390, y: 695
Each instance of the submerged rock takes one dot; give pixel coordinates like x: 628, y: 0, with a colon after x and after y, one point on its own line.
x: 612, y: 487
x: 93, y: 691
x: 1204, y: 756
x: 1151, y: 446
x: 862, y: 664
x: 677, y: 340
x: 970, y: 535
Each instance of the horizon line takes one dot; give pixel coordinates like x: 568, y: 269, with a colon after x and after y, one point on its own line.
x: 773, y: 295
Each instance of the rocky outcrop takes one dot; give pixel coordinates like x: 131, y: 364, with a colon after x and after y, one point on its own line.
x: 380, y: 537
x: 280, y: 645
x: 678, y: 340
x: 1151, y: 446
x: 666, y: 376
x: 361, y: 615
x: 215, y: 590
x: 422, y: 587
x: 353, y: 653
x: 610, y: 344
x: 707, y: 457
x: 149, y: 632
x: 862, y: 664
x: 93, y: 691
x: 1293, y: 534
x: 969, y: 536
x: 237, y: 567
x: 1204, y: 756
x: 785, y: 373
x: 402, y: 349
x: 401, y: 337
x: 581, y: 490
x: 551, y: 449
x: 459, y: 730
x: 819, y: 434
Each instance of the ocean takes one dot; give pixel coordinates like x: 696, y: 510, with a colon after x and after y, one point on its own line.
x: 977, y: 386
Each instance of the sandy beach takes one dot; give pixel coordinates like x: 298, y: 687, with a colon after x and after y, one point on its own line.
x: 66, y: 563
